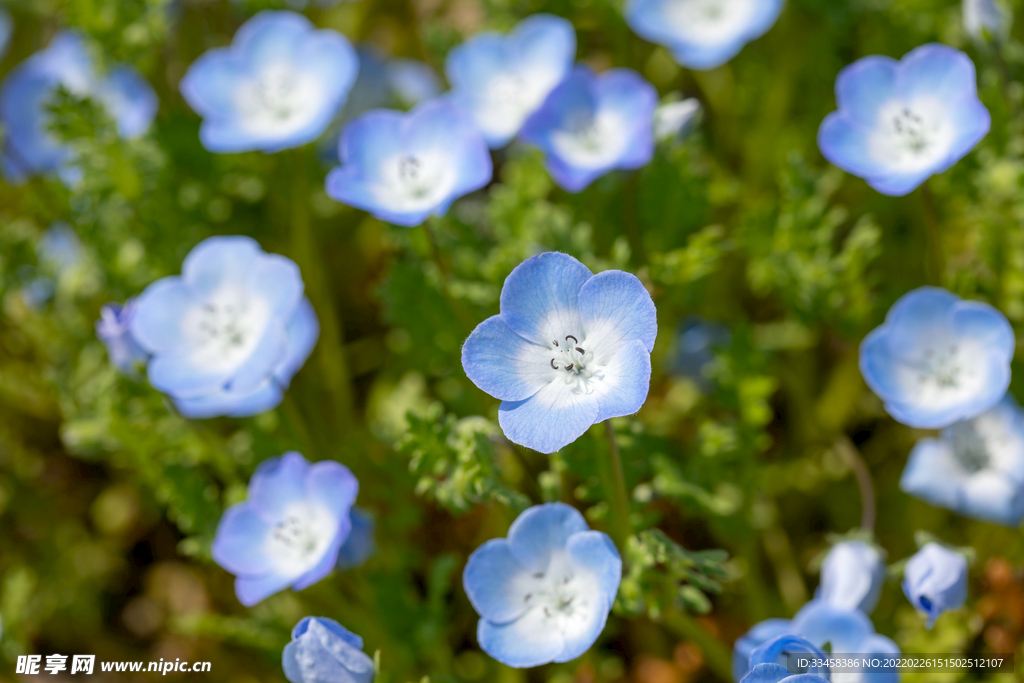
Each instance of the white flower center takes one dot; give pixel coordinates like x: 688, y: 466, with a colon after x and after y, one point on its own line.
x: 279, y: 100
x: 911, y: 137
x: 299, y: 539
x: 416, y: 181
x: 507, y: 89
x: 588, y: 140
x: 575, y: 366
x: 991, y: 442
x: 944, y: 373
x: 709, y: 22
x: 226, y: 329
x: 564, y: 595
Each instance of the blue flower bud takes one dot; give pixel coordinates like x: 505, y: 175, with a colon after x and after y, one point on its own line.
x: 935, y: 580
x: 324, y: 651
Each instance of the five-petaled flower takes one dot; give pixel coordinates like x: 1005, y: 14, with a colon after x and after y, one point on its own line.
x: 501, y: 80
x: 30, y: 88
x: 900, y: 122
x: 544, y: 593
x: 403, y: 167
x: 976, y: 467
x: 593, y: 123
x: 228, y: 334
x: 702, y: 34
x: 852, y: 575
x: 277, y: 86
x: 568, y: 349
x: 938, y: 359
x: 323, y: 650
x: 935, y: 580
x: 290, y: 529
x: 764, y: 666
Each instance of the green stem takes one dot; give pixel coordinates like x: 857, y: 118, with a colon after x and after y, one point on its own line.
x: 935, y: 265
x: 620, y: 526
x: 864, y: 483
x: 716, y: 654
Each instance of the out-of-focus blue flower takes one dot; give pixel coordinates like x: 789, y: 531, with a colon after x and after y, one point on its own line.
x: 360, y: 544
x: 502, y: 79
x: 591, y: 124
x: 985, y: 19
x: 852, y: 575
x: 59, y: 248
x: 697, y: 341
x: 544, y: 593
x: 675, y: 120
x: 935, y: 580
x: 412, y: 81
x: 765, y: 666
x: 938, y: 359
x: 324, y: 651
x: 277, y: 86
x: 568, y: 349
x: 227, y: 336
x: 702, y: 34
x: 28, y: 90
x: 6, y: 30
x: 114, y: 330
x: 290, y: 529
x: 900, y: 122
x: 847, y: 631
x: 976, y: 468
x: 403, y: 167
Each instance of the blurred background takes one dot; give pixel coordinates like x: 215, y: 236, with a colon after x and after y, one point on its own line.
x: 767, y: 266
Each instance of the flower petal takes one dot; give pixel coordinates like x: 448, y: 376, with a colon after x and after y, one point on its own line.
x: 251, y: 590
x: 506, y: 366
x: 864, y: 86
x: 625, y: 381
x: 333, y: 486
x: 615, y: 308
x: 542, y: 530
x: 595, y: 552
x: 238, y: 544
x: 219, y: 260
x: 277, y: 483
x: 528, y: 641
x: 498, y: 586
x: 552, y: 418
x: 539, y: 300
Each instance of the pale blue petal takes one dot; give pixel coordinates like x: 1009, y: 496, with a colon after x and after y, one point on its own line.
x: 983, y: 323
x: 935, y: 580
x: 157, y: 322
x: 360, y: 544
x: 937, y: 71
x: 332, y: 626
x: 303, y: 330
x: 333, y: 486
x: 627, y: 379
x: 523, y: 643
x: 821, y: 623
x: 852, y: 575
x: 277, y: 483
x: 994, y: 497
x: 412, y: 81
x: 541, y: 530
x: 899, y: 184
x: 503, y: 364
x: 238, y: 545
x: 928, y: 474
x: 773, y: 650
x: 326, y: 653
x: 551, y: 419
x: 615, y: 307
x: 328, y: 560
x: 844, y: 144
x: 766, y: 673
x: 251, y: 590
x: 595, y: 552
x: 224, y: 402
x: 268, y: 353
x: 210, y: 82
x: 270, y: 36
x: 130, y: 100
x: 497, y: 585
x: 864, y: 86
x: 918, y: 314
x: 219, y: 260
x: 760, y: 632
x: 182, y: 375
x: 541, y: 295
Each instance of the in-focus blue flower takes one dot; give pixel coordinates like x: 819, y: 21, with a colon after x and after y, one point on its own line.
x: 502, y: 79
x: 591, y: 124
x: 403, y: 167
x: 412, y: 81
x: 976, y: 468
x: 28, y: 90
x: 277, y: 86
x: 900, y: 122
x: 290, y: 529
x: 766, y: 666
x: 114, y: 330
x: 568, y: 349
x: 852, y: 575
x: 847, y: 632
x: 324, y: 651
x: 359, y: 545
x: 228, y: 334
x: 938, y: 359
x: 935, y: 580
x: 544, y: 593
x: 702, y: 34
x: 985, y: 19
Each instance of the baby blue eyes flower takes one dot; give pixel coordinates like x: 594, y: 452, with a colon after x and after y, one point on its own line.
x: 568, y: 349
x: 411, y: 81
x: 935, y: 580
x: 985, y: 19
x: 702, y: 34
x: 502, y: 79
x: 28, y: 90
x: 765, y: 666
x: 290, y: 529
x: 324, y: 651
x: 403, y: 167
x: 228, y: 334
x: 852, y: 576
x: 277, y: 86
x: 544, y: 593
x: 976, y: 467
x: 900, y: 122
x: 938, y: 359
x: 591, y: 124
x: 674, y: 120
x: 114, y: 330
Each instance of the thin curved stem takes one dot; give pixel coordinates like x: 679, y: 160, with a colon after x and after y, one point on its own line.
x: 863, y: 476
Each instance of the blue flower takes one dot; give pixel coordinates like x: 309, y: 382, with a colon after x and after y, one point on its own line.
x: 675, y: 120
x: 852, y: 575
x: 277, y: 86
x: 404, y: 167
x: 359, y: 545
x: 412, y: 81
x: 114, y: 330
x: 985, y: 19
x: 935, y: 580
x: 697, y: 342
x: 976, y: 468
x: 544, y: 593
x: 591, y: 124
x: 847, y: 632
x: 228, y: 335
x: 900, y: 122
x: 765, y: 666
x: 702, y: 34
x: 289, y: 531
x: 938, y: 359
x: 502, y: 79
x: 324, y: 651
x: 28, y: 90
x: 568, y: 349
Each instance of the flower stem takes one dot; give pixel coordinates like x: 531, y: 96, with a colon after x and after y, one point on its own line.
x: 616, y: 490
x: 935, y: 264
x: 860, y: 471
